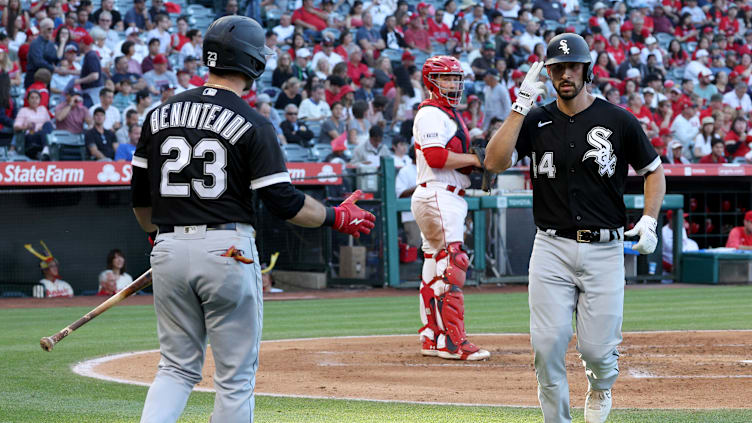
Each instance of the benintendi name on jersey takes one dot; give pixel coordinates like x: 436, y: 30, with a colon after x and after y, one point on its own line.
x: 206, y: 116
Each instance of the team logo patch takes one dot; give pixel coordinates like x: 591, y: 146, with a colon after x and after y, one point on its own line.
x: 564, y: 47
x: 603, y: 151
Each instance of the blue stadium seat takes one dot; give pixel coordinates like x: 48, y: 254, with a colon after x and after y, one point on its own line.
x: 320, y: 151
x: 664, y: 39
x: 65, y: 145
x: 13, y: 294
x: 295, y: 153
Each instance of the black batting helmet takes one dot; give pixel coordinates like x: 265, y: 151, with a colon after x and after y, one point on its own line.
x: 236, y: 43
x: 569, y: 47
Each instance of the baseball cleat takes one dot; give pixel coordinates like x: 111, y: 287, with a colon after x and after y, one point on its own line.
x: 429, y: 348
x: 597, y: 406
x: 467, y: 351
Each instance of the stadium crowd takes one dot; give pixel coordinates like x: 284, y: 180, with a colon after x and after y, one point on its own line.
x: 345, y: 75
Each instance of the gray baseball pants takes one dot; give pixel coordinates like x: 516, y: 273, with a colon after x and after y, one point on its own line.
x: 586, y: 279
x: 199, y: 294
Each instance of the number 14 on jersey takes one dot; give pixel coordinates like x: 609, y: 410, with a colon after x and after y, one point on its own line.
x: 546, y: 165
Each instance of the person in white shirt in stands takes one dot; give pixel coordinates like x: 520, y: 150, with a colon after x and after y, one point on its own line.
x: 685, y: 128
x: 112, y: 120
x: 160, y: 32
x: 369, y: 153
x: 530, y: 38
x: 738, y: 98
x: 116, y: 264
x: 140, y: 48
x: 51, y: 284
x: 667, y: 237
x: 193, y: 47
x: 693, y: 68
x: 400, y: 146
x: 404, y: 186
x: 380, y: 9
x: 112, y: 39
x: 327, y: 52
x: 651, y: 47
x: 315, y: 108
x: 285, y: 29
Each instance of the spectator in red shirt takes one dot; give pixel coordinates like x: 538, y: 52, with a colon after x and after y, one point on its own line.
x: 717, y: 153
x: 309, y: 17
x: 741, y: 236
x: 438, y: 30
x: 729, y: 23
x: 637, y: 107
x: 42, y: 79
x: 179, y: 38
x: 714, y: 105
x: 686, y: 31
x: 737, y: 140
x: 660, y: 148
x: 417, y: 37
x: 473, y: 115
x: 356, y: 69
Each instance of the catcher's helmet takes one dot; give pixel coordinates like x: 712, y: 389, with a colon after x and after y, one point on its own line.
x: 236, y: 43
x: 444, y: 65
x: 568, y: 47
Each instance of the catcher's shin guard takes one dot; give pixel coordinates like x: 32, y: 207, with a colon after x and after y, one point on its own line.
x: 428, y: 316
x: 456, y: 270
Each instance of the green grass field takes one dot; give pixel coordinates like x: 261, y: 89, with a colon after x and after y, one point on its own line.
x: 37, y: 386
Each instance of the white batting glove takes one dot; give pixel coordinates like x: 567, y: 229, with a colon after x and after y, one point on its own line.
x: 530, y: 89
x: 645, y: 228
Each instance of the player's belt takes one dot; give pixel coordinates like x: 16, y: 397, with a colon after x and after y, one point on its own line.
x: 166, y: 229
x: 585, y: 235
x: 450, y: 188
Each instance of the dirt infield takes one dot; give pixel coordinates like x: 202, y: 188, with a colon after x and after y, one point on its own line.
x: 685, y: 370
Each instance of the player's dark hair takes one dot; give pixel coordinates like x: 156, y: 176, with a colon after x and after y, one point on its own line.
x: 111, y: 256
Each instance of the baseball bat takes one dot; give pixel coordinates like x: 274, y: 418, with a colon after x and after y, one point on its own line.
x: 48, y: 342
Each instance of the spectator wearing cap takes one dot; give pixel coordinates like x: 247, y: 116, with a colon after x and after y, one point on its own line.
x: 703, y: 143
x: 365, y: 92
x: 714, y: 105
x: 100, y: 141
x: 704, y: 88
x: 660, y: 148
x: 71, y: 114
x: 315, y: 108
x: 485, y: 62
x: 741, y: 236
x: 136, y: 51
x: 162, y: 25
x: 369, y: 153
x: 160, y: 75
x: 112, y: 121
x: 700, y: 64
x: 193, y: 48
x: 676, y: 155
x: 738, y: 98
x: 302, y: 67
x: 737, y: 139
x: 417, y: 36
x: 685, y: 127
x: 138, y: 16
x: 42, y: 52
x: 109, y: 7
x: 392, y: 38
x: 651, y: 47
x: 190, y: 65
x: 336, y: 124
x: 327, y: 52
x: 295, y: 132
x: 142, y: 106
x: 33, y: 120
x: 633, y: 62
x: 497, y: 103
x: 473, y: 115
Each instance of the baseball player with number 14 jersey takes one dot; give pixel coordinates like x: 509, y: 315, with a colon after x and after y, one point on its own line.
x: 580, y: 149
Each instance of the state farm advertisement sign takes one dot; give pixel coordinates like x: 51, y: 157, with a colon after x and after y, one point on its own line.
x: 119, y: 173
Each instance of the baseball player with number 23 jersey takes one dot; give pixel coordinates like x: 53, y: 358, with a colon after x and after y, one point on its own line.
x: 200, y: 155
x: 444, y: 160
x: 580, y: 148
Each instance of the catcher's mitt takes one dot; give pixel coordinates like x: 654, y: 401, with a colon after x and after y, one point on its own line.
x: 489, y: 178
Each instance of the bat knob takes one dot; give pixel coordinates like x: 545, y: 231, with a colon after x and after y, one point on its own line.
x: 46, y: 343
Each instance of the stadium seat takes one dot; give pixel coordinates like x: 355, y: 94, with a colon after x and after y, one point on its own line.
x: 272, y: 92
x: 295, y: 153
x: 664, y: 39
x: 65, y: 145
x: 334, y: 32
x: 392, y: 54
x: 13, y: 294
x: 320, y: 151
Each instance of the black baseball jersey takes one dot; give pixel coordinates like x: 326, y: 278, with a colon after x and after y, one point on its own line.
x: 578, y: 164
x: 205, y: 150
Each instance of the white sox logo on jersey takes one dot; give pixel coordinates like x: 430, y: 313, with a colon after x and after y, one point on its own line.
x: 603, y: 153
x: 563, y: 46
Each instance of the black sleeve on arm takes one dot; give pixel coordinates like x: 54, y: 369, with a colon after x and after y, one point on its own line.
x: 282, y: 200
x: 140, y: 194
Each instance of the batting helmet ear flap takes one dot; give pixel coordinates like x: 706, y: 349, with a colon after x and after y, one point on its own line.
x: 589, y: 73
